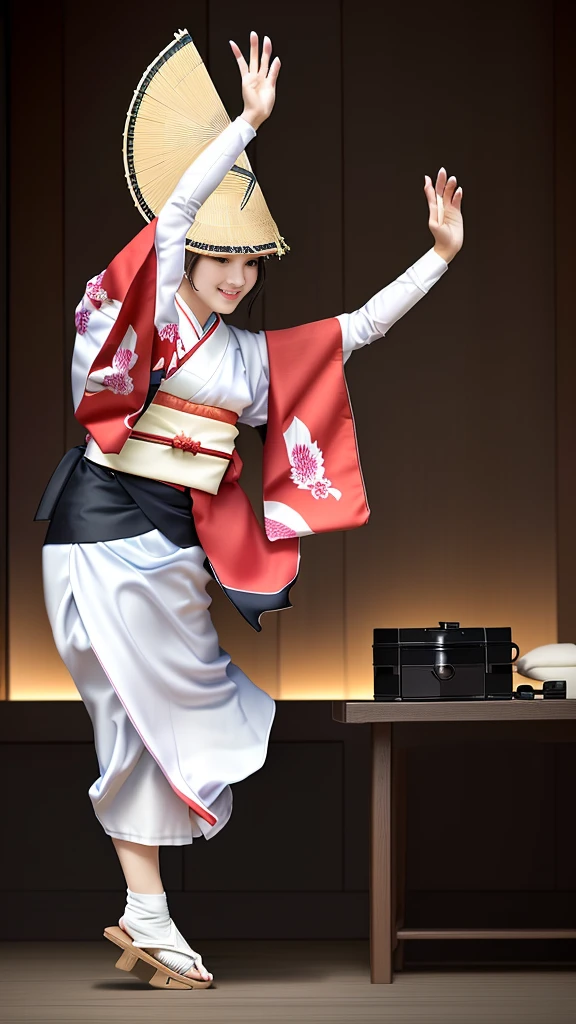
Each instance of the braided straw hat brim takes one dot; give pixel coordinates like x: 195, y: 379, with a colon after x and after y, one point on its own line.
x: 175, y: 113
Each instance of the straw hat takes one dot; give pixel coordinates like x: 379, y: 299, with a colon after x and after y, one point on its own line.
x: 175, y: 113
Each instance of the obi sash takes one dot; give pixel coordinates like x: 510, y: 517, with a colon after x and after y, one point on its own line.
x: 177, y: 442
x: 312, y: 479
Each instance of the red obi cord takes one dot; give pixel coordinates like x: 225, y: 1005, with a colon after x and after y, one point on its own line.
x: 179, y: 441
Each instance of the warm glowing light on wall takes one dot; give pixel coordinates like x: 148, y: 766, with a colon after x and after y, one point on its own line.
x: 37, y: 692
x: 300, y: 691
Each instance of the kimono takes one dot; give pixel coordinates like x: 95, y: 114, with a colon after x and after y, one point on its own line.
x: 125, y: 573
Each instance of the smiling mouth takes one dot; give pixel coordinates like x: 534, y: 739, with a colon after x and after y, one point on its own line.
x: 229, y: 295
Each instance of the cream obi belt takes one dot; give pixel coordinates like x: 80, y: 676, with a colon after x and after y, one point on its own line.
x: 176, y: 442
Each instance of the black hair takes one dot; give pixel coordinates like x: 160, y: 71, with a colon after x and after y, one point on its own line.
x: 193, y: 257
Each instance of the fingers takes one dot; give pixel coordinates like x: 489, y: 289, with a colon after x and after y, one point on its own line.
x: 264, y: 70
x: 238, y: 54
x: 431, y: 197
x: 445, y: 192
x: 253, y: 53
x: 450, y: 189
x: 429, y: 191
x: 441, y: 181
x: 274, y: 71
x: 266, y: 54
x: 440, y: 187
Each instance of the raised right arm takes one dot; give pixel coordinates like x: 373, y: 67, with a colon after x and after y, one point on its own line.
x: 96, y: 314
x: 174, y: 221
x: 179, y: 212
x: 203, y: 177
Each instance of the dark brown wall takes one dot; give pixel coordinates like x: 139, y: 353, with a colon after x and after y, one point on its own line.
x: 565, y: 226
x: 3, y: 352
x: 455, y: 410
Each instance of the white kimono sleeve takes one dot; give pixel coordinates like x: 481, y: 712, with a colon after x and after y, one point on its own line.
x: 358, y: 329
x: 179, y: 212
x: 257, y: 371
x: 174, y: 220
x: 382, y: 311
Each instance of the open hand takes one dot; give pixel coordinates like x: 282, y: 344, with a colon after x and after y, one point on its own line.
x: 258, y: 83
x: 445, y: 220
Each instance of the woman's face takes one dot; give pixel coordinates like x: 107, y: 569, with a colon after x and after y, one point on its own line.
x: 221, y: 282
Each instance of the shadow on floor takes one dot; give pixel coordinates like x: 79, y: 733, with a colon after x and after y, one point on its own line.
x: 258, y: 965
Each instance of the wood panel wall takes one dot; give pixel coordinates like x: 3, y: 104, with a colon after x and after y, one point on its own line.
x: 455, y: 410
x: 489, y: 844
x: 3, y: 353
x: 565, y: 221
x: 37, y: 369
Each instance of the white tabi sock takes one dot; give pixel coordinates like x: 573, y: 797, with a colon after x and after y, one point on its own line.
x: 148, y: 922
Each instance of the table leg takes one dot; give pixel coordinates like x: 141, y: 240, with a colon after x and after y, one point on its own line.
x: 399, y: 830
x: 381, y: 855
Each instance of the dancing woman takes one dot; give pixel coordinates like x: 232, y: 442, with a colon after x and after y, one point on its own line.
x: 144, y: 514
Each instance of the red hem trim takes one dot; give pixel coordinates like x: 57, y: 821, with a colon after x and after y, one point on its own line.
x: 200, y: 811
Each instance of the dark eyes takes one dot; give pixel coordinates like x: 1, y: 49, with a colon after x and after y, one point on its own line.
x: 224, y: 259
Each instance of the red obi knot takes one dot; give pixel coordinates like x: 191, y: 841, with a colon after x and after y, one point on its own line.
x: 186, y: 443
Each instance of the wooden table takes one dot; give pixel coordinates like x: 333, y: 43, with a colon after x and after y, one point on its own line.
x: 396, y: 726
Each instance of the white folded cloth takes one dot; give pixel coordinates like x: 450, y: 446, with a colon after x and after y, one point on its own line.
x: 551, y: 661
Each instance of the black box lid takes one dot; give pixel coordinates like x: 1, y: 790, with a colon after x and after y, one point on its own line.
x: 444, y: 634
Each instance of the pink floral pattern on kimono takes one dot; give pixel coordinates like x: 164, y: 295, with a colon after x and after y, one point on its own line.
x: 119, y: 381
x: 307, y: 462
x: 170, y: 333
x: 277, y: 531
x: 321, y: 488
x: 94, y: 289
x: 81, y: 319
x: 116, y: 378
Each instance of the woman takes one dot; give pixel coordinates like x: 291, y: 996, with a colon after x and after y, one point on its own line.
x: 159, y: 380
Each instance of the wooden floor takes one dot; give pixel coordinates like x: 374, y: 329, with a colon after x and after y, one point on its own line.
x: 273, y: 982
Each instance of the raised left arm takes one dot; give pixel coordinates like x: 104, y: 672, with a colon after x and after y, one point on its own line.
x: 382, y: 311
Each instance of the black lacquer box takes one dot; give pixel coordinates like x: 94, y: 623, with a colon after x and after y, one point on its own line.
x: 444, y: 662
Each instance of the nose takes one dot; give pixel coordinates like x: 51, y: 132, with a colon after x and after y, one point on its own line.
x: 235, y: 281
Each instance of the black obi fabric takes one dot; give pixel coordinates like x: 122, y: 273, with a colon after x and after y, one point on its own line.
x: 86, y: 503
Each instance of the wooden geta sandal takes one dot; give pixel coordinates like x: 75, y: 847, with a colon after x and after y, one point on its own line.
x: 146, y: 967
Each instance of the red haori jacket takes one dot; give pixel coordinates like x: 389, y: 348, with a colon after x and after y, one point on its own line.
x: 312, y: 481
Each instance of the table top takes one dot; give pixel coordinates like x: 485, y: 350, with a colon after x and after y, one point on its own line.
x: 361, y: 711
